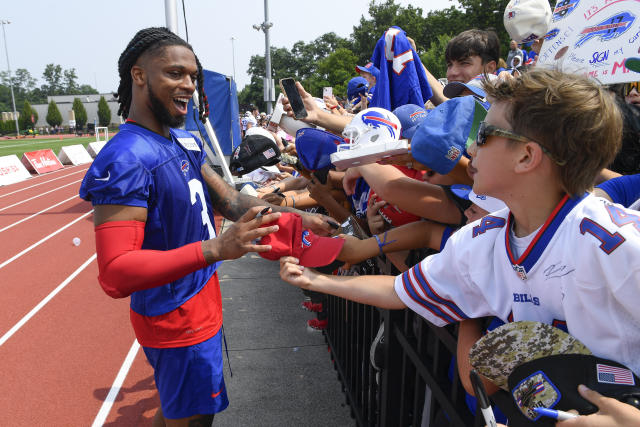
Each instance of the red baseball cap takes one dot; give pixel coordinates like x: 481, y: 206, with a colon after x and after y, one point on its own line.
x: 292, y: 239
x: 392, y: 214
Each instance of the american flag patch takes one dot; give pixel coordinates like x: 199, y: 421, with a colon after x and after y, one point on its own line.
x: 538, y: 388
x: 614, y: 375
x: 269, y: 153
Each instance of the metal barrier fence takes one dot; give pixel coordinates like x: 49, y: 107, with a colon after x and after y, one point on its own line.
x: 418, y: 383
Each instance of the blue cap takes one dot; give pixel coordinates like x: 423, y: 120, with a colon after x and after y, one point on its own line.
x: 315, y: 146
x: 443, y: 135
x: 410, y: 116
x: 369, y: 68
x: 357, y: 86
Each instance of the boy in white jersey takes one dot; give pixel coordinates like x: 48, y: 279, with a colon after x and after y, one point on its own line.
x: 555, y: 255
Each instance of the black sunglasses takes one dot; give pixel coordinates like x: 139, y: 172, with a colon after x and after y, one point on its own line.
x: 486, y: 130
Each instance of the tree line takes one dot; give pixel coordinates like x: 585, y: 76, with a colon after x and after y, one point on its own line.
x: 330, y: 60
x: 56, y: 81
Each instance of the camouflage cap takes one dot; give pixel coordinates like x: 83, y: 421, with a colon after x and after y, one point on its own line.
x: 502, y: 350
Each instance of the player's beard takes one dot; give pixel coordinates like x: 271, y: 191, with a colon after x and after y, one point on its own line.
x: 161, y: 112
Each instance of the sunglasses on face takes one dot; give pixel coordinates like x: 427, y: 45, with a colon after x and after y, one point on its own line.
x: 486, y: 130
x: 628, y: 87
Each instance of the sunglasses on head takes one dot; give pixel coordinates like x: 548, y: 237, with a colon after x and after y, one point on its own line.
x: 628, y: 87
x: 486, y: 130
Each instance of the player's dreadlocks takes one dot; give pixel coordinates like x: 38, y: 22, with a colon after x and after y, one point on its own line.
x: 149, y: 40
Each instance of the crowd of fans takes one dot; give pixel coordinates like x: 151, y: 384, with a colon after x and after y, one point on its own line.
x: 409, y: 206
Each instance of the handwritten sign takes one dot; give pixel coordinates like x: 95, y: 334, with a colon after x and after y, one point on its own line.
x: 594, y: 38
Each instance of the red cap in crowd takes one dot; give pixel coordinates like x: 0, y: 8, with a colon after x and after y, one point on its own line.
x: 292, y: 239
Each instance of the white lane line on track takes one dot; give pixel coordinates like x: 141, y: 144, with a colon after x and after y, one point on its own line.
x: 44, y: 182
x: 39, y: 195
x: 44, y: 302
x: 37, y: 213
x: 15, y: 257
x: 117, y: 384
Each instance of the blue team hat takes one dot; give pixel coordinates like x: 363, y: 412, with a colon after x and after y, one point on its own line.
x: 315, y: 146
x: 369, y: 68
x: 410, y: 116
x: 447, y: 130
x: 356, y: 86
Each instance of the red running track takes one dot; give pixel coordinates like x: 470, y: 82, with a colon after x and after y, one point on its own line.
x: 63, y: 342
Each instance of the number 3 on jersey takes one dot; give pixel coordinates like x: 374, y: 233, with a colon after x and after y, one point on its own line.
x: 609, y: 241
x: 195, y: 188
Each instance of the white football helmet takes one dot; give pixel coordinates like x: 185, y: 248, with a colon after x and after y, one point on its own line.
x: 372, y: 125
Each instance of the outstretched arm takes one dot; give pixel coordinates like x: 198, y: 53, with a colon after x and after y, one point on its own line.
x: 373, y: 290
x: 315, y: 114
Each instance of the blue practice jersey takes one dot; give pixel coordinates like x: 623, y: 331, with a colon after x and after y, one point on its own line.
x: 140, y: 168
x: 402, y: 79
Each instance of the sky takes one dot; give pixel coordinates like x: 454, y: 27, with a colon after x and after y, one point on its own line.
x: 89, y: 35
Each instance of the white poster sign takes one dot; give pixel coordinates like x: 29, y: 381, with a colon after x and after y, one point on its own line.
x: 595, y: 38
x: 12, y: 170
x: 75, y: 155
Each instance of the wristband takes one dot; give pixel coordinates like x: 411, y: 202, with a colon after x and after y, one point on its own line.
x: 293, y: 202
x: 383, y: 243
x: 333, y: 107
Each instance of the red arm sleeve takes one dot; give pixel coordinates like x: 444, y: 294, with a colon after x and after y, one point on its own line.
x: 125, y: 268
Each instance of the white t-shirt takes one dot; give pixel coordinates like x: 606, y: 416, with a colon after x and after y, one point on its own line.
x: 582, y: 268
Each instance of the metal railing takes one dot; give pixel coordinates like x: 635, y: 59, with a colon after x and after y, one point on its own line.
x: 418, y: 383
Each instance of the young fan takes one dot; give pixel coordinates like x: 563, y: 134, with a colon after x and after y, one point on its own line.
x: 557, y: 254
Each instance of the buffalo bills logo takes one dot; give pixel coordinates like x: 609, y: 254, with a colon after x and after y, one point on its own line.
x: 564, y: 8
x: 511, y: 14
x: 375, y: 119
x: 552, y: 34
x: 184, y: 167
x: 305, y: 240
x: 420, y: 114
x: 608, y: 29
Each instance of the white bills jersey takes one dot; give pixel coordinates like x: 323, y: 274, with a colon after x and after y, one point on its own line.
x: 582, y: 270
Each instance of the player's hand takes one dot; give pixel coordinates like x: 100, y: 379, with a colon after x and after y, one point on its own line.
x: 374, y: 219
x: 321, y: 225
x: 295, y: 274
x: 349, y: 180
x: 611, y: 413
x: 241, y: 237
x: 309, y: 105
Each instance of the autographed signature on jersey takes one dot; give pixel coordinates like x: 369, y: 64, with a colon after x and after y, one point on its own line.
x: 555, y: 271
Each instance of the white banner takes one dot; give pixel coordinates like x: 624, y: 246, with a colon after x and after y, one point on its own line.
x: 94, y: 147
x: 595, y: 38
x: 12, y: 170
x: 74, y: 154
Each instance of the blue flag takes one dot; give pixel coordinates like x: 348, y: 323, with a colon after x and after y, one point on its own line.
x: 402, y: 79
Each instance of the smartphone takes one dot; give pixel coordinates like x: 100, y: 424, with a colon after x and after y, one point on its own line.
x: 289, y: 88
x: 327, y: 91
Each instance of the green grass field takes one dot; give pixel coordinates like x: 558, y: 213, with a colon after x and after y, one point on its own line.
x: 20, y: 146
